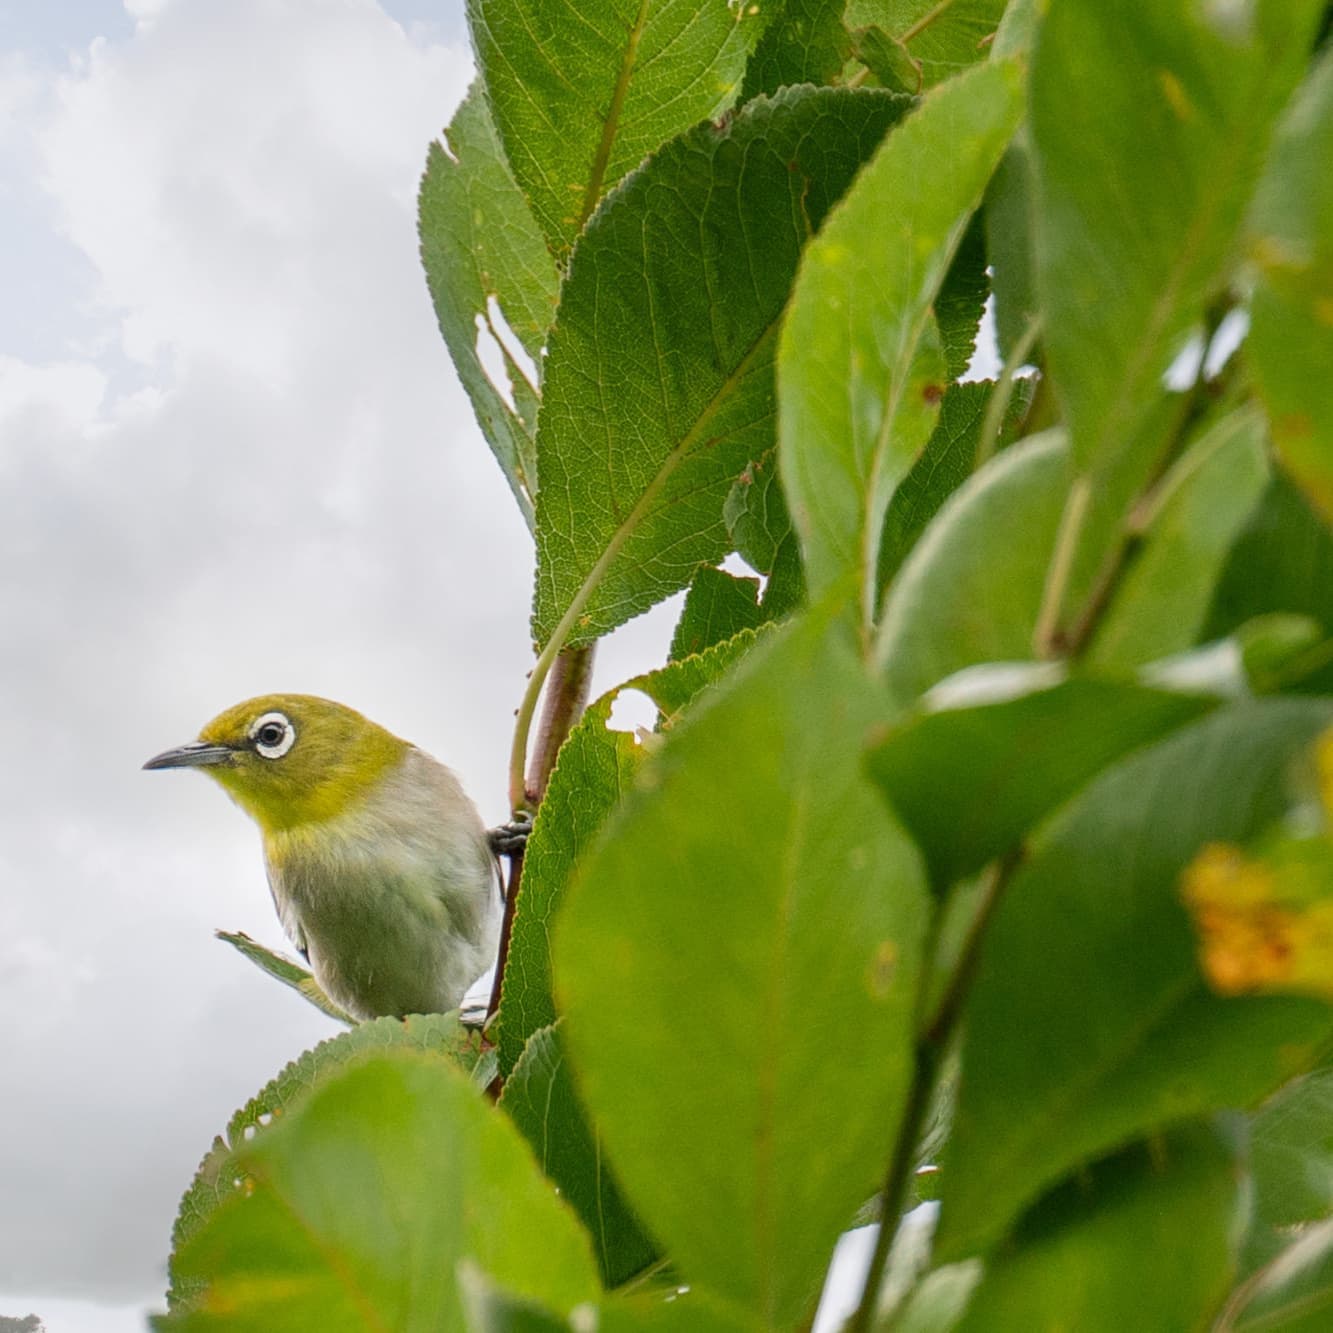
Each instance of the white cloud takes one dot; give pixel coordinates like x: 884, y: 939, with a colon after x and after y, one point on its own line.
x: 287, y: 493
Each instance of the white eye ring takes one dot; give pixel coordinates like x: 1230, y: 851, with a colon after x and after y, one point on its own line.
x: 270, y: 723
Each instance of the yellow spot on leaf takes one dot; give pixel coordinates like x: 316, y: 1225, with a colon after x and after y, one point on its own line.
x: 1176, y: 96
x: 883, y: 968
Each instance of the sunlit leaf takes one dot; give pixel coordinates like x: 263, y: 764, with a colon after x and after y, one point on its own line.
x: 862, y: 373
x: 701, y: 971
x: 351, y: 1145
x: 972, y: 587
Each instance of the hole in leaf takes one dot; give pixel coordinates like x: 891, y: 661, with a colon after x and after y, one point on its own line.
x: 492, y: 358
x: 632, y: 711
x: 509, y: 341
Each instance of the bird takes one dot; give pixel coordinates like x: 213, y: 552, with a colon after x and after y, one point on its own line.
x: 383, y: 873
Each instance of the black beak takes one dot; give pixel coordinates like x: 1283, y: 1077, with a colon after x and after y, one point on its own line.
x: 197, y: 754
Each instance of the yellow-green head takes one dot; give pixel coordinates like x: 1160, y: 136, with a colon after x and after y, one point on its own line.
x: 290, y: 759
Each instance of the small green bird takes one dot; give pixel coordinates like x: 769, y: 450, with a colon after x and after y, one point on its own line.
x: 381, y: 869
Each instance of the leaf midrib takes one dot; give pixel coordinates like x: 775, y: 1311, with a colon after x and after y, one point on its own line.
x: 611, y: 124
x: 681, y: 452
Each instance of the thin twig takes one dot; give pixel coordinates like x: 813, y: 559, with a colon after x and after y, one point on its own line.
x: 566, y: 697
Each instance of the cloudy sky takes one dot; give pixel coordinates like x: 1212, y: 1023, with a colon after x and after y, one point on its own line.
x: 233, y: 459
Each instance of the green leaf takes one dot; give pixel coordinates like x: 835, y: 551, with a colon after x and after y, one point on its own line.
x: 935, y: 40
x: 972, y: 588
x: 969, y: 778
x: 717, y: 606
x: 220, y: 1175
x: 488, y: 1308
x: 659, y: 382
x: 945, y: 463
x: 1009, y: 244
x: 1291, y: 329
x: 582, y: 93
x: 804, y: 43
x: 675, y: 686
x: 861, y: 372
x: 1282, y: 562
x: 540, y: 1098
x: 1203, y: 503
x: 480, y: 245
x: 759, y: 526
x: 595, y: 769
x: 1291, y: 1164
x: 1295, y: 1293
x: 962, y: 299
x: 286, y: 970
x: 751, y: 905
x: 1018, y: 28
x: 1088, y: 1022
x: 1124, y: 98
x: 361, y: 1202
x: 1139, y: 1241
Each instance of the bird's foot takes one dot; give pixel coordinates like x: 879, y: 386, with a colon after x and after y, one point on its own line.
x: 512, y: 837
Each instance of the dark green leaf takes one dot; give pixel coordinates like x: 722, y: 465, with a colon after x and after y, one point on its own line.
x: 962, y: 298
x: 1282, y: 561
x: 945, y: 463
x: 1126, y: 97
x: 971, y: 589
x: 936, y: 40
x: 583, y: 92
x: 479, y: 244
x: 760, y: 529
x: 751, y: 905
x: 540, y: 1098
x: 673, y: 687
x: 804, y: 43
x: 969, y: 779
x: 359, y: 1202
x: 1089, y: 1022
x: 1162, y: 602
x: 1139, y: 1241
x: 861, y: 372
x: 1291, y: 331
x: 659, y: 383
x: 717, y: 606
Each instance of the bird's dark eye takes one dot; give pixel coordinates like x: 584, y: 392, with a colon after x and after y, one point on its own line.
x: 272, y: 735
